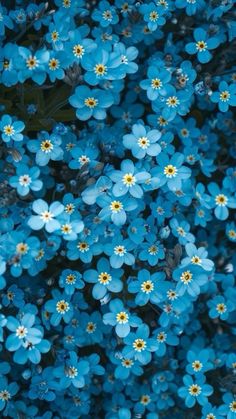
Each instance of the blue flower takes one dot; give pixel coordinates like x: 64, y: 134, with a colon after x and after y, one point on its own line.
x: 70, y: 281
x: 119, y: 251
x: 128, y: 179
x: 42, y: 386
x: 203, y: 44
x: 60, y: 307
x: 142, y: 141
x: 105, y: 14
x: 180, y: 229
x: 101, y: 66
x: 24, y: 334
x: 26, y: 179
x: 7, y: 391
x: 57, y: 62
x: 148, y: 287
x: 91, y: 102
x: 11, y: 129
x: 171, y: 171
x: 46, y: 215
x: 197, y: 257
x: 114, y: 209
x: 153, y: 15
x: 47, y: 148
x: 121, y: 318
x: 198, y: 362
x: 139, y: 346
x: 231, y: 231
x: 5, y: 21
x: 152, y: 250
x: 72, y: 372
x: 220, y: 307
x: 195, y: 390
x: 126, y: 366
x: 157, y: 82
x: 221, y: 201
x: 34, y: 65
x: 225, y: 97
x: 104, y: 278
x: 77, y: 46
x: 191, y: 7
x: 189, y: 279
x: 229, y: 407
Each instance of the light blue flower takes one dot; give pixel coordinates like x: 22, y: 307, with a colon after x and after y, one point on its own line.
x: 46, y: 215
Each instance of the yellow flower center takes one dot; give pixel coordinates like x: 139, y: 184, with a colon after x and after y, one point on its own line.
x: 196, y: 260
x: 153, y: 16
x: 156, y: 84
x: 91, y: 102
x: 69, y: 208
x: 122, y: 317
x: 171, y: 295
x: 116, y: 206
x: 232, y: 406
x: 186, y: 277
x: 40, y: 255
x: 127, y: 363
x: 32, y: 63
x: 66, y: 228
x: 194, y: 390
x: 100, y: 69
x: 153, y: 250
x: 201, y: 46
x: 221, y: 200
x: 6, y: 64
x: 143, y: 143
x: 24, y: 180
x: 83, y: 247
x: 4, y: 395
x: 21, y: 332
x: 147, y: 286
x: 71, y: 279
x: 54, y: 35
x: 62, y: 306
x: 161, y: 337
x: 172, y: 101
x: 46, y: 146
x: 22, y: 248
x: 119, y: 250
x: 181, y: 231
x: 145, y: 399
x: 197, y: 365
x: 139, y: 345
x: 224, y: 96
x: 170, y: 171
x: 221, y: 308
x: 104, y: 278
x: 83, y: 160
x: 66, y: 4
x: 8, y: 130
x: 53, y: 64
x: 107, y: 15
x: 232, y: 234
x: 91, y: 327
x: 129, y: 179
x: 78, y: 50
x: 46, y: 216
x: 71, y: 372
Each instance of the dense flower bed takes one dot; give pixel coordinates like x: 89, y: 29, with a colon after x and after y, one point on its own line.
x: 118, y: 190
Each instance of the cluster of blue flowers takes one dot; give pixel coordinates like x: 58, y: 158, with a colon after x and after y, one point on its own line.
x: 117, y: 221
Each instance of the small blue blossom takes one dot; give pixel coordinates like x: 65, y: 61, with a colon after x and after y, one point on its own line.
x: 11, y: 129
